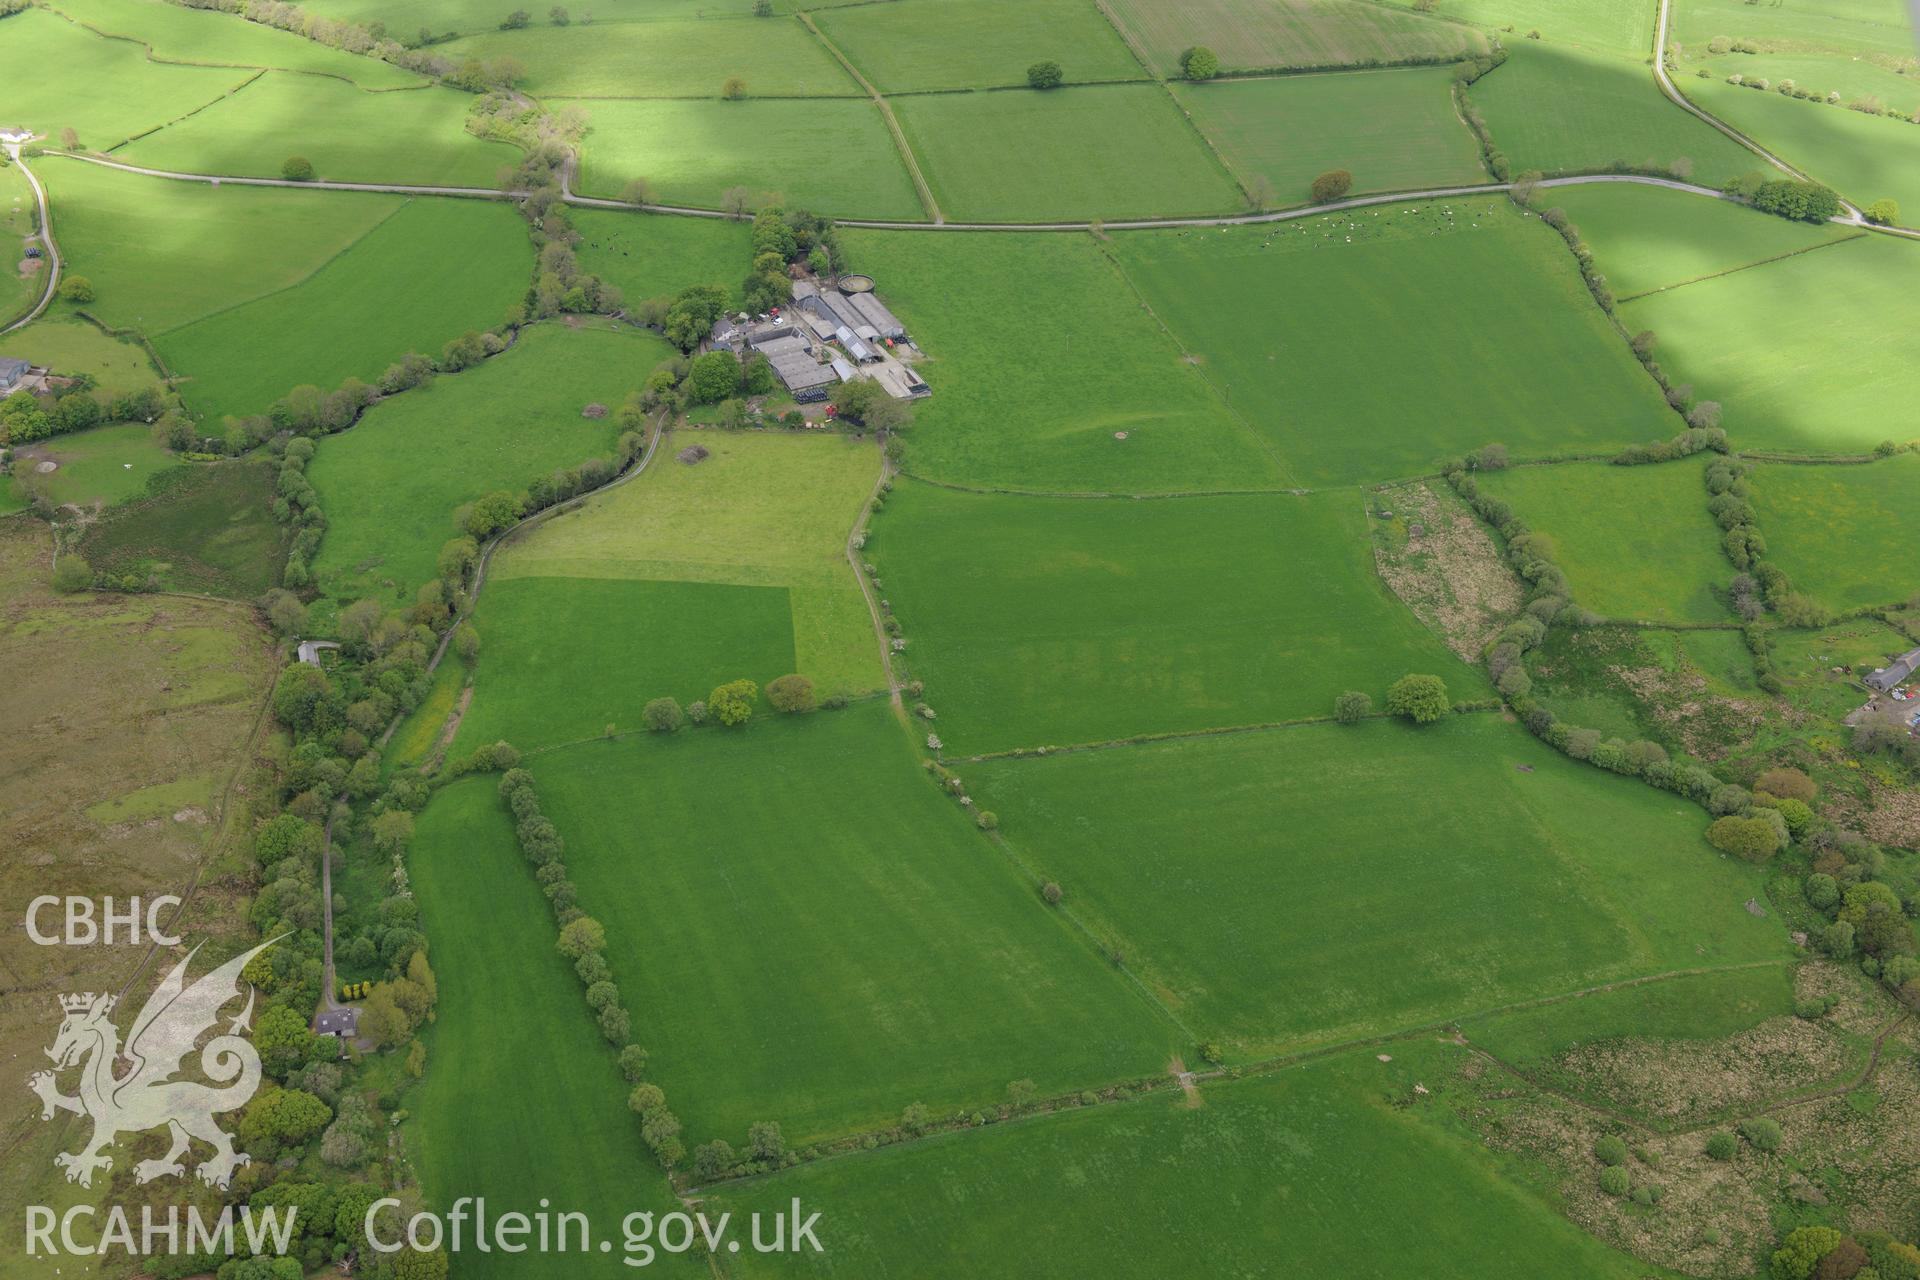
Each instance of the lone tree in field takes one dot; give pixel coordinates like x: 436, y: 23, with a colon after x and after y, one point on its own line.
x: 638, y: 191
x: 297, y: 169
x: 1045, y: 75
x: 515, y: 20
x: 1200, y: 63
x: 1331, y: 185
x: 1420, y: 698
x: 734, y: 89
x: 1883, y: 212
x: 791, y: 693
x: 1352, y: 707
x: 70, y: 139
x: 77, y: 289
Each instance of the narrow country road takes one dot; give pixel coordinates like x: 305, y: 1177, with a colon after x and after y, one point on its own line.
x: 872, y: 224
x: 44, y: 235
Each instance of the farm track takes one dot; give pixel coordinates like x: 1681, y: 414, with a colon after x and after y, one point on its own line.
x: 45, y: 236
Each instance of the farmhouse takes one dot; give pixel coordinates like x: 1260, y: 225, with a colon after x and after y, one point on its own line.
x: 1895, y: 673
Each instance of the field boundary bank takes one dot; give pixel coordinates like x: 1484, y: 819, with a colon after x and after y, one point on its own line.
x: 1179, y: 735
x: 1749, y: 266
x: 849, y: 1148
x: 168, y: 124
x: 921, y: 186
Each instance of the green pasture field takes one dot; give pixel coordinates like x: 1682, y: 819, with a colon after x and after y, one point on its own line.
x: 178, y: 34
x: 1091, y: 364
x: 204, y: 528
x: 1619, y: 26
x: 522, y: 1101
x: 434, y: 270
x: 464, y: 16
x: 807, y: 931
x: 777, y: 57
x: 161, y: 254
x: 106, y: 91
x: 1865, y: 158
x: 1636, y: 543
x: 74, y: 346
x: 1050, y: 621
x: 415, y: 737
x: 1844, y: 26
x: 936, y: 44
x: 1393, y: 130
x: 97, y: 467
x: 1260, y: 35
x: 1324, y: 1169
x: 694, y: 151
x: 1475, y: 302
x: 1646, y: 239
x: 1562, y: 109
x: 650, y: 639
x: 687, y: 576
x: 1096, y: 151
x: 649, y: 256
x: 391, y: 484
x: 350, y: 135
x: 20, y: 285
x: 1225, y: 868
x: 1822, y: 73
x: 1799, y: 352
x: 1844, y: 535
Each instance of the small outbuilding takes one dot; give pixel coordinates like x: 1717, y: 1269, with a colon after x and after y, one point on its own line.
x: 12, y: 371
x: 1895, y: 673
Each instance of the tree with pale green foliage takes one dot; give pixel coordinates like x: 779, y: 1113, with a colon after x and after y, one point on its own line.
x: 1802, y: 1250
x: 732, y: 703
x: 1883, y: 213
x: 1420, y: 698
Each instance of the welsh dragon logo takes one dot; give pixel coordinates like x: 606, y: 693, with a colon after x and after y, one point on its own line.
x: 148, y: 1096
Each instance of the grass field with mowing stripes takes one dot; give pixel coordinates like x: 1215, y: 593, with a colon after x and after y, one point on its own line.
x: 734, y: 566
x: 515, y: 1067
x: 978, y: 44
x: 1111, y: 634
x: 1097, y: 151
x: 1302, y: 1172
x: 1260, y: 35
x: 1099, y: 398
x: 1393, y: 130
x: 1492, y: 334
x: 808, y: 932
x: 693, y: 151
x: 1229, y: 871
